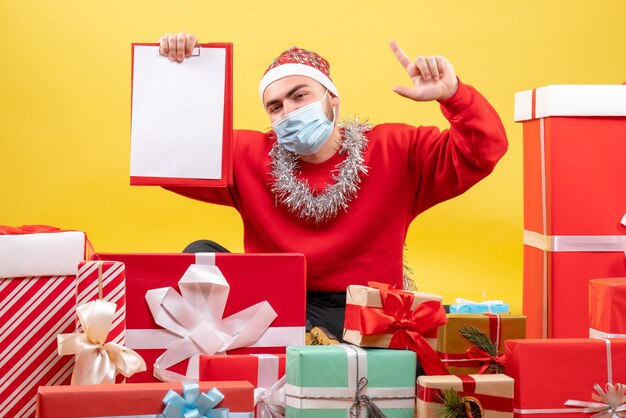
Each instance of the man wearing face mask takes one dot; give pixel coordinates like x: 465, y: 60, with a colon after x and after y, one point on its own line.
x: 344, y: 194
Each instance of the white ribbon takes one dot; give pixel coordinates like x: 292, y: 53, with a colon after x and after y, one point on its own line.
x: 160, y: 339
x: 195, y: 317
x: 575, y: 243
x: 610, y: 403
x: 96, y: 361
x: 269, y: 396
x: 594, y: 333
x: 270, y: 402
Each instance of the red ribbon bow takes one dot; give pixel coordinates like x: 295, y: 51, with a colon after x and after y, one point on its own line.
x: 27, y: 229
x: 483, y: 357
x: 408, y: 326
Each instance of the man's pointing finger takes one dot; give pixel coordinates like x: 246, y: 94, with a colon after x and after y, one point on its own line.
x: 400, y: 54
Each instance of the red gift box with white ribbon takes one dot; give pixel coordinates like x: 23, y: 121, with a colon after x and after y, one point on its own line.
x: 266, y: 372
x: 180, y: 306
x: 559, y: 376
x: 37, y: 302
x: 574, y: 200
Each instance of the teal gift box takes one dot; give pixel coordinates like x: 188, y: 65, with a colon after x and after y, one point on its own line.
x: 339, y: 381
x: 464, y: 306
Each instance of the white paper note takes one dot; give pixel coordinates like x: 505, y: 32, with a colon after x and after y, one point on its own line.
x: 177, y: 114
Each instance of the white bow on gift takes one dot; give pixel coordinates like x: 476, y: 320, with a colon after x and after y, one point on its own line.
x: 96, y: 361
x: 609, y: 404
x: 270, y: 403
x: 195, y: 316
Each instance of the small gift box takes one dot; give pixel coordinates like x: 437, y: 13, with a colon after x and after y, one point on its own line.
x: 471, y: 343
x: 179, y: 307
x: 265, y: 371
x: 345, y: 380
x: 148, y: 400
x: 37, y: 302
x: 454, y: 396
x: 464, y: 306
x: 607, y: 308
x: 379, y: 316
x: 550, y: 373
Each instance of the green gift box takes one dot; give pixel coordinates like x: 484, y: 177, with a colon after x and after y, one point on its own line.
x: 340, y: 381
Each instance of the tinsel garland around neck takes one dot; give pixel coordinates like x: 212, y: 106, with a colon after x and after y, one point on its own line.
x: 296, y: 193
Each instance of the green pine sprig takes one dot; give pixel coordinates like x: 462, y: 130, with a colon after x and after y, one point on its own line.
x: 453, y: 404
x: 480, y: 340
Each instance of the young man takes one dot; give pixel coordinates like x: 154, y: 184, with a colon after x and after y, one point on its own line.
x: 345, y: 194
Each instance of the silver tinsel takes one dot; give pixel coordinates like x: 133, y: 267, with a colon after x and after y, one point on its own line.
x: 296, y: 193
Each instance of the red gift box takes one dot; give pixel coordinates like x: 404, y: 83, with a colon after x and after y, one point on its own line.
x: 550, y: 372
x: 263, y: 371
x: 37, y: 302
x: 132, y: 399
x: 574, y: 201
x: 276, y: 278
x: 607, y: 308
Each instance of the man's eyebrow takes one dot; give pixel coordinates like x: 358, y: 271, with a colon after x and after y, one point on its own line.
x: 289, y: 93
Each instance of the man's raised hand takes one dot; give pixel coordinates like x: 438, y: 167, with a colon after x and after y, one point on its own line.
x: 433, y: 76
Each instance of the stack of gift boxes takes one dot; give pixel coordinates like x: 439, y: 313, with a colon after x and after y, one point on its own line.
x: 222, y: 335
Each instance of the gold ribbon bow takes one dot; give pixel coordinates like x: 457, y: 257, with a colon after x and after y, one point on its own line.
x: 96, y: 361
x: 610, y: 403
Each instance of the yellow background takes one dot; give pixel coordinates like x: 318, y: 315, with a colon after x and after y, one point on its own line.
x: 65, y: 109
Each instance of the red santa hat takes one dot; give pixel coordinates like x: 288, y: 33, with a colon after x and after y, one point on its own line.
x: 297, y: 61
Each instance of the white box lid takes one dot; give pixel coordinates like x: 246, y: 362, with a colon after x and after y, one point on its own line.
x: 571, y: 100
x: 43, y: 254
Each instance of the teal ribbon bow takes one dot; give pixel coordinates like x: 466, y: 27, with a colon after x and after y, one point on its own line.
x: 193, y: 403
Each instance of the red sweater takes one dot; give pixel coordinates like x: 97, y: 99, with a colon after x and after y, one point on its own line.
x: 409, y: 170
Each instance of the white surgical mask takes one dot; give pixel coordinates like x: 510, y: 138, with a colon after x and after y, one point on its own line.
x: 304, y: 130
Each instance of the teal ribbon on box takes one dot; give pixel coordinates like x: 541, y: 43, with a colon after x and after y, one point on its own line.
x: 193, y: 403
x: 464, y: 306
